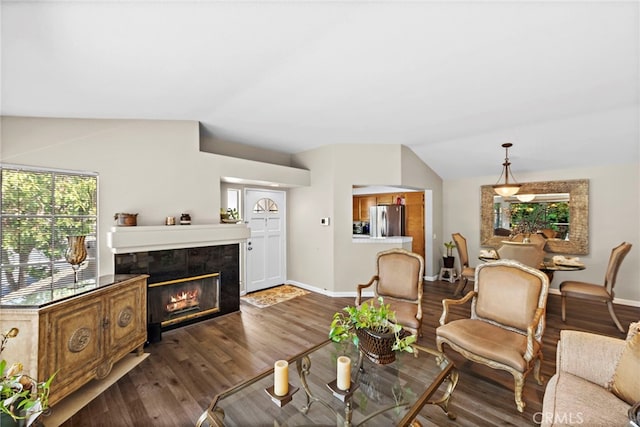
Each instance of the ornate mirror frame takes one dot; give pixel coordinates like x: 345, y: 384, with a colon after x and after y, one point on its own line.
x: 578, y: 243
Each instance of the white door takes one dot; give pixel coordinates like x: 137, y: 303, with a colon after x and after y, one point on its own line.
x: 264, y: 212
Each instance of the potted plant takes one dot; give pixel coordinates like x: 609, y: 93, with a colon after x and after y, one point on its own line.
x: 373, y: 329
x: 21, y: 397
x: 449, y: 259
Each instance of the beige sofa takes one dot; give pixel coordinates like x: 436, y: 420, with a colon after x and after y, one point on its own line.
x: 578, y: 394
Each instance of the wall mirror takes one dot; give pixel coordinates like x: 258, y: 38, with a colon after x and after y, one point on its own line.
x: 572, y: 230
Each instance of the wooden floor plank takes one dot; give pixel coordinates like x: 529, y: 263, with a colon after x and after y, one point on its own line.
x: 192, y: 364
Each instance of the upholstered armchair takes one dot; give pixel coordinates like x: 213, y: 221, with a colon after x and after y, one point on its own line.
x: 507, y: 322
x: 398, y: 280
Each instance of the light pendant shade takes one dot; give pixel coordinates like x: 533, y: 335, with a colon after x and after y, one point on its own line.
x: 506, y: 189
x: 525, y: 197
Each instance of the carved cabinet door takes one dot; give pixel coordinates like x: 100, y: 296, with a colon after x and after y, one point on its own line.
x: 74, y: 343
x: 127, y: 318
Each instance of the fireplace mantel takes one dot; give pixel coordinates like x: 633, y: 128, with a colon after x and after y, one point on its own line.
x: 123, y: 240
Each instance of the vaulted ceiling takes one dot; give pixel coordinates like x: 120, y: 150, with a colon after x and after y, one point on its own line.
x: 452, y: 80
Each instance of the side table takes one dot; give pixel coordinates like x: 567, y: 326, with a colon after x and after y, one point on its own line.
x: 452, y: 274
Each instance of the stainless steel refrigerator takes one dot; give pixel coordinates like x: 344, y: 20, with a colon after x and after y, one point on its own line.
x: 386, y: 220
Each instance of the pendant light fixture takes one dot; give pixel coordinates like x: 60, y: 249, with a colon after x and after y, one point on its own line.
x: 506, y: 189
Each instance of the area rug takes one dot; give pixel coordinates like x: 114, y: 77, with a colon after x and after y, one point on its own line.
x: 273, y: 296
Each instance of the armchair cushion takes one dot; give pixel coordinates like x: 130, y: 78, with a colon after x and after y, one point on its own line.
x: 405, y: 313
x: 489, y: 341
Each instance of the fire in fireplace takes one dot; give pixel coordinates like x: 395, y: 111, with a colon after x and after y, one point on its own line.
x: 176, y: 301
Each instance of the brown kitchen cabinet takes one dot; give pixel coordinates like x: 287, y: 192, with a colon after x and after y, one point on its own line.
x: 361, y: 206
x: 414, y: 213
x: 414, y: 220
x: 80, y: 338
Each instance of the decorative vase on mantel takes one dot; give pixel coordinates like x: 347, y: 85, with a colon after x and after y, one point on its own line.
x: 526, y: 238
x: 76, y: 254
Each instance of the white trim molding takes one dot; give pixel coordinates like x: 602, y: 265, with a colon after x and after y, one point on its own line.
x: 153, y: 238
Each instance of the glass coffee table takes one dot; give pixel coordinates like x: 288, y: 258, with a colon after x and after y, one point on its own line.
x: 380, y: 395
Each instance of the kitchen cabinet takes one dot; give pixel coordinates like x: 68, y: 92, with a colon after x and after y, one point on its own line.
x: 414, y: 213
x: 414, y: 220
x: 361, y: 208
x: 80, y: 338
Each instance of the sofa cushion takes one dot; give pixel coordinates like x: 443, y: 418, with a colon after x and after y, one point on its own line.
x: 626, y: 380
x: 571, y: 400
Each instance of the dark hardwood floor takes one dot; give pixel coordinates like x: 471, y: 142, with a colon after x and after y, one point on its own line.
x: 192, y: 364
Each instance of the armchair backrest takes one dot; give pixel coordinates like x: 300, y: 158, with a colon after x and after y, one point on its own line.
x: 461, y: 246
x: 529, y: 254
x: 617, y: 256
x: 399, y: 274
x: 508, y: 294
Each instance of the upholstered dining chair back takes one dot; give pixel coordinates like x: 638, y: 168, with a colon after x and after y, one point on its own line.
x: 530, y: 254
x: 534, y: 238
x: 615, y: 260
x: 467, y: 272
x: 602, y: 292
x: 398, y: 280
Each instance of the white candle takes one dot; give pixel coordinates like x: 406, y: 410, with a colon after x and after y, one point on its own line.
x: 281, y: 378
x: 344, y: 373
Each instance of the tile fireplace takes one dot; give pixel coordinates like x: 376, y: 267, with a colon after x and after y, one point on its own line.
x: 194, y: 271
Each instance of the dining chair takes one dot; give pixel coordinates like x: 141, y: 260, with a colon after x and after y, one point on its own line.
x: 598, y: 292
x: 398, y: 280
x: 467, y: 273
x: 535, y: 238
x: 530, y: 254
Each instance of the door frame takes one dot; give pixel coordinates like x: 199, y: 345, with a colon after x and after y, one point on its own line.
x: 283, y: 210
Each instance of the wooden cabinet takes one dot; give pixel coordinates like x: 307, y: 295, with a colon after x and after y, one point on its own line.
x: 361, y: 205
x: 81, y: 338
x: 414, y: 220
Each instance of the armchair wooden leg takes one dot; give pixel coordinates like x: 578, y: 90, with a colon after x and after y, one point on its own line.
x: 536, y: 370
x: 563, y: 298
x: 519, y: 384
x: 614, y: 317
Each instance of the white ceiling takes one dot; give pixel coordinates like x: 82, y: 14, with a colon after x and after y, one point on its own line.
x: 452, y: 80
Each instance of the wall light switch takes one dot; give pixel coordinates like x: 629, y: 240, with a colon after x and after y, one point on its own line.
x: 324, y: 221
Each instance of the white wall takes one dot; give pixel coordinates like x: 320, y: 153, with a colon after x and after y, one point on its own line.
x: 150, y: 167
x: 326, y: 257
x: 614, y: 212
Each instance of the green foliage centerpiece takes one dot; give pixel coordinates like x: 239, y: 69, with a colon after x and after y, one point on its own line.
x: 373, y: 329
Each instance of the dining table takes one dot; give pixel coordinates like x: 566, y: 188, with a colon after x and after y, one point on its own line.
x: 549, y: 265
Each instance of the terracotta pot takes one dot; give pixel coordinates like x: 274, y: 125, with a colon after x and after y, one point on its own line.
x: 126, y: 219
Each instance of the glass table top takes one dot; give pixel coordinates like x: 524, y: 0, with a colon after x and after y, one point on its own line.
x: 380, y: 395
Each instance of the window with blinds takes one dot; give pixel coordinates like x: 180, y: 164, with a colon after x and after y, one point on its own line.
x: 39, y: 210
